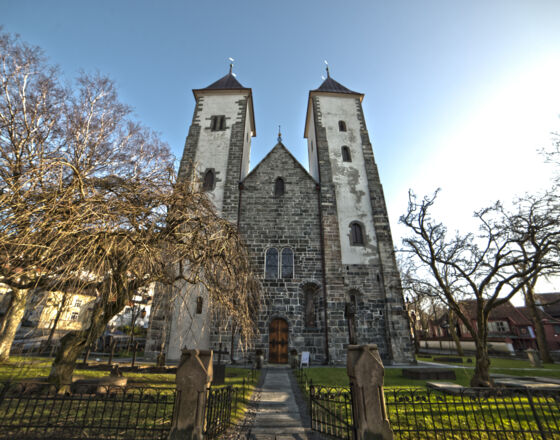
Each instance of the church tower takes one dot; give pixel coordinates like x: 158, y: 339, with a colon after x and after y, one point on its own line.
x: 218, y: 144
x: 363, y: 289
x: 216, y: 155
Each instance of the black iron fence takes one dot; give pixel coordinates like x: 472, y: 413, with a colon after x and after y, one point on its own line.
x: 220, y: 405
x: 35, y: 411
x: 223, y: 407
x: 331, y: 411
x: 475, y: 413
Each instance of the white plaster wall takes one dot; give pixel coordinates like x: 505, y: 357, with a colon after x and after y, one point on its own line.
x: 213, y: 146
x: 312, y: 145
x: 188, y: 329
x: 351, y: 185
x: 246, y: 144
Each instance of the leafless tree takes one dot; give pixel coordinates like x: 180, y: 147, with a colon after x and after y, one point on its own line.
x: 510, y: 250
x: 32, y: 109
x: 89, y: 201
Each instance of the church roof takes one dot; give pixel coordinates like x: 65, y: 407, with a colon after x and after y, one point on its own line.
x: 265, y: 160
x: 227, y: 82
x: 330, y: 85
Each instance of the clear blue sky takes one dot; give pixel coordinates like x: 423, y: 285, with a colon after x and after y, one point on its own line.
x: 458, y: 95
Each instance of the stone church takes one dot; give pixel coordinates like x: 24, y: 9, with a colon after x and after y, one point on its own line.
x: 319, y: 240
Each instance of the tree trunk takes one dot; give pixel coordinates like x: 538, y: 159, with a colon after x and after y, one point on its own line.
x: 481, y: 376
x: 453, y: 332
x: 11, y: 321
x: 71, y: 347
x: 537, y: 324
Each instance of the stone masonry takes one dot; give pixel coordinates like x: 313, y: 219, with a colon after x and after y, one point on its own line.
x: 336, y: 284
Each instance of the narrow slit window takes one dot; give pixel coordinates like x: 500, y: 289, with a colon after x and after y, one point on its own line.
x: 287, y: 263
x: 199, y: 303
x: 309, y: 308
x: 346, y: 157
x: 356, y: 234
x: 209, y: 180
x: 271, y: 264
x: 279, y: 187
x: 341, y: 126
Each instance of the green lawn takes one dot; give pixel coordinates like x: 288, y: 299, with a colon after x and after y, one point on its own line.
x: 416, y: 412
x: 19, y: 367
x: 332, y: 376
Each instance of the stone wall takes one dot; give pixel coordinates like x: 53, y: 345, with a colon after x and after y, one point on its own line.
x: 288, y: 221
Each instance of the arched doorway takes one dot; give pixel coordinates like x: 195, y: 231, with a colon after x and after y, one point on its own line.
x: 278, y: 341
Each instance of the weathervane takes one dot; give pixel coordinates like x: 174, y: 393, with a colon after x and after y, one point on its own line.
x: 231, y: 60
x: 279, y: 135
x: 327, y: 67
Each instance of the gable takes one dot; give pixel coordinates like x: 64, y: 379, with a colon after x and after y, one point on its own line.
x: 280, y: 161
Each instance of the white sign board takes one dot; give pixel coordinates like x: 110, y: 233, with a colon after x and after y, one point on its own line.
x: 304, y: 359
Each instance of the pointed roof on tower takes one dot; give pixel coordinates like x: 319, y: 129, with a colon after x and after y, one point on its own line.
x: 332, y: 86
x: 227, y: 82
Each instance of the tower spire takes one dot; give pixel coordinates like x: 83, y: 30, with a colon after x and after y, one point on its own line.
x: 279, y: 135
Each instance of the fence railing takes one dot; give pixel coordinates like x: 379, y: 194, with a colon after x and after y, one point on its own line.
x: 223, y: 404
x: 475, y: 413
x: 33, y: 411
x: 331, y: 411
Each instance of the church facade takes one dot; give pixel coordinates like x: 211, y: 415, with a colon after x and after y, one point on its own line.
x: 319, y: 241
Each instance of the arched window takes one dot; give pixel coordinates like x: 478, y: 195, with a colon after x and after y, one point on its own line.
x: 271, y: 264
x: 356, y: 234
x: 279, y: 187
x: 209, y: 180
x: 346, y: 154
x: 287, y: 263
x: 341, y: 126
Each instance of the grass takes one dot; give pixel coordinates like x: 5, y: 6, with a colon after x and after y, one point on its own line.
x: 418, y: 413
x: 97, y: 414
x: 333, y: 376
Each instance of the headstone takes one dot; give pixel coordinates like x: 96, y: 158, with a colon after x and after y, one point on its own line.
x: 365, y: 371
x: 193, y: 378
x: 429, y: 373
x: 219, y: 368
x: 534, y: 357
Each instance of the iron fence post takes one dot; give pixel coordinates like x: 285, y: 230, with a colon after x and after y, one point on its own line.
x: 534, y: 411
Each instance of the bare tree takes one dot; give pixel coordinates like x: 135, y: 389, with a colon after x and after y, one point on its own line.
x: 32, y: 109
x: 139, y: 225
x: 509, y: 251
x: 89, y: 201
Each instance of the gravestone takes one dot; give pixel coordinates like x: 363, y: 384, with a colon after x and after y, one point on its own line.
x: 534, y: 357
x: 365, y: 371
x: 429, y: 373
x: 219, y: 368
x: 193, y: 378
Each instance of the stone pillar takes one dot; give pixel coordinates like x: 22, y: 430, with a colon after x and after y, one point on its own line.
x: 365, y: 371
x: 193, y: 378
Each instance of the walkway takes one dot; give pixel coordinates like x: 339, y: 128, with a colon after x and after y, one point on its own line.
x: 278, y: 414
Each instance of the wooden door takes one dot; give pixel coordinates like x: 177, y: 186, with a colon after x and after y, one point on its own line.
x: 278, y: 341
